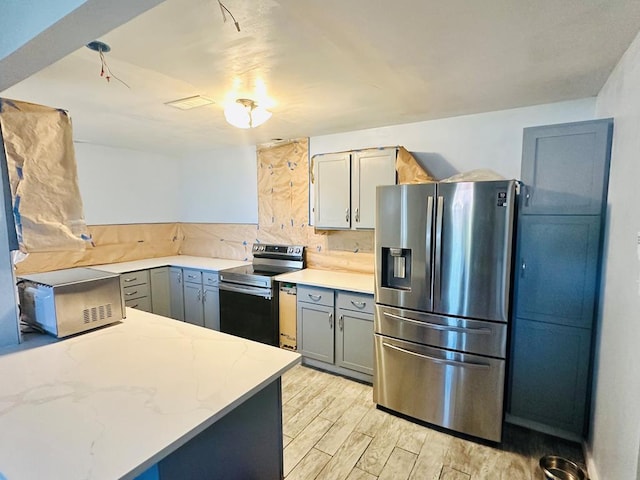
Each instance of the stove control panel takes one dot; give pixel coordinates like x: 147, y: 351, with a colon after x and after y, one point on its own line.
x: 292, y: 252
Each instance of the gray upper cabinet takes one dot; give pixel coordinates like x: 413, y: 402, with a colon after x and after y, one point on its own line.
x: 332, y: 208
x: 565, y: 168
x: 557, y: 268
x: 345, y: 186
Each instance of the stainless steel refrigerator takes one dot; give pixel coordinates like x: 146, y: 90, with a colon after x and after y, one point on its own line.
x: 443, y: 274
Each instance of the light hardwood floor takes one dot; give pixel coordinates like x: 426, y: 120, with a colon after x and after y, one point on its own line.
x: 332, y: 431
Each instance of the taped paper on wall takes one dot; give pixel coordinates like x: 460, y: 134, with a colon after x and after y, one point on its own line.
x: 43, y: 178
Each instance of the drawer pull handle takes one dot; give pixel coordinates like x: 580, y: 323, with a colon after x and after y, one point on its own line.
x: 435, y: 326
x: 199, y: 295
x: 315, y: 298
x: 341, y: 322
x: 331, y: 320
x: 127, y: 280
x: 358, y: 304
x: 454, y: 363
x: 135, y: 306
x: 128, y: 294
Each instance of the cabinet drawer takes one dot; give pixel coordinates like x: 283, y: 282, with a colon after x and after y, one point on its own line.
x: 192, y: 276
x: 317, y: 295
x: 357, y: 302
x: 210, y: 279
x: 143, y: 303
x: 135, y: 291
x: 138, y: 277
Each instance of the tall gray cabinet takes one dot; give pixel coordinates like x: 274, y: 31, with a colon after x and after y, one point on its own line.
x: 565, y: 171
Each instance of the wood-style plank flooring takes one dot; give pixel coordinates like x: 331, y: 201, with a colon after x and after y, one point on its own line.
x: 332, y: 431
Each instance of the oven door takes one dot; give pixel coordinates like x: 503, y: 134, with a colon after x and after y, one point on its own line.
x: 249, y: 312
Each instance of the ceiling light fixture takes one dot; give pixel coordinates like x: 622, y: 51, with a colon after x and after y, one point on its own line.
x: 245, y: 113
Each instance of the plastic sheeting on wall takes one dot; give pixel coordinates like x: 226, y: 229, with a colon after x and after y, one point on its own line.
x: 43, y: 177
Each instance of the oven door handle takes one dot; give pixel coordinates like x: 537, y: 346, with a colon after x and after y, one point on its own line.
x: 256, y: 291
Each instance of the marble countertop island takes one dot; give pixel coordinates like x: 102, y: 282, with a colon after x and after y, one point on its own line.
x: 110, y: 403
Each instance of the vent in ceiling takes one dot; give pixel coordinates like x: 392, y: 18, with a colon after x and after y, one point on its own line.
x: 190, y: 102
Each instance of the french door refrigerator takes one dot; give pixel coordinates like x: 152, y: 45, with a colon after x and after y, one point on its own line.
x: 443, y: 274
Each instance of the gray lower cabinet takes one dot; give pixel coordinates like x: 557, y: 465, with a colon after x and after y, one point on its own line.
x: 136, y: 289
x: 335, y: 331
x: 211, y: 300
x: 176, y: 293
x: 551, y: 366
x: 201, y: 298
x: 160, y: 291
x: 193, y: 308
x: 354, y: 335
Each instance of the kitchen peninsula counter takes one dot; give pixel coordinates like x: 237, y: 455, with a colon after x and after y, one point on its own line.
x: 352, y: 282
x: 147, y: 394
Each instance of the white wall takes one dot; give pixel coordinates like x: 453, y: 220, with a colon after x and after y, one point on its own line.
x: 453, y: 145
x: 220, y: 186
x: 615, y: 435
x: 127, y: 186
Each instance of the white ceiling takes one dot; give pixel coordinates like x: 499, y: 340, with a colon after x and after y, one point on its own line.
x: 331, y: 66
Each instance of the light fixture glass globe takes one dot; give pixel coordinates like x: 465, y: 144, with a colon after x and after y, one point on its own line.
x: 244, y: 113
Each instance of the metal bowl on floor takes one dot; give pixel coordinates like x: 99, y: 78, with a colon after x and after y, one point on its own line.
x: 559, y: 468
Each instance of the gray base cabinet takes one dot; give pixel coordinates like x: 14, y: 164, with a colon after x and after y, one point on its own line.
x: 335, y: 331
x: 176, y: 297
x: 211, y: 300
x: 556, y: 360
x: 160, y: 291
x: 136, y: 289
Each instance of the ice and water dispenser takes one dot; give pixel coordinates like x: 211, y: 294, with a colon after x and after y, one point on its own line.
x: 396, y: 268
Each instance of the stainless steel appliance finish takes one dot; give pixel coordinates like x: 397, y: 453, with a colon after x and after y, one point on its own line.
x: 443, y: 273
x: 248, y: 299
x: 66, y: 302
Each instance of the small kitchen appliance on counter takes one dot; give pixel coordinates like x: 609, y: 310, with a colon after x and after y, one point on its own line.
x: 249, y: 295
x: 66, y: 302
x: 443, y: 275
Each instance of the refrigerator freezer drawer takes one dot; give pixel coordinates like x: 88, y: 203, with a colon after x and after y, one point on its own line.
x: 458, y: 391
x: 470, y: 336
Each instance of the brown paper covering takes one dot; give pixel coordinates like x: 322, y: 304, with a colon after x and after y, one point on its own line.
x: 43, y: 177
x: 409, y: 170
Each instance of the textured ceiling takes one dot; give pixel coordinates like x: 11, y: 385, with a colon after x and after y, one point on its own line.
x: 331, y: 66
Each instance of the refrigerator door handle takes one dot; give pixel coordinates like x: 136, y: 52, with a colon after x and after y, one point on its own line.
x: 438, y: 252
x: 446, y: 361
x: 436, y: 326
x: 428, y: 249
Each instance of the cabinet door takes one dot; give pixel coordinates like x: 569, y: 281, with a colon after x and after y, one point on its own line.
x: 332, y: 186
x: 550, y: 365
x: 211, y: 302
x: 315, y: 331
x: 193, y: 306
x: 370, y: 168
x: 558, y: 269
x: 354, y: 341
x: 160, y: 291
x: 176, y: 294
x: 565, y: 168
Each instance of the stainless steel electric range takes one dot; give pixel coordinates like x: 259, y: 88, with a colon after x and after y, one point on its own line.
x: 248, y: 294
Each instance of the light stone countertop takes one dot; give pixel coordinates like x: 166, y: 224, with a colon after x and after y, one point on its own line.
x: 112, y: 402
x: 353, y: 282
x: 185, y: 261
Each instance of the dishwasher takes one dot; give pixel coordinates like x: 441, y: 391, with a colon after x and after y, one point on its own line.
x: 288, y: 309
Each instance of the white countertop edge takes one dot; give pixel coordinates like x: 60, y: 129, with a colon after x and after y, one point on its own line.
x: 182, y: 261
x: 347, y: 281
x: 179, y: 442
